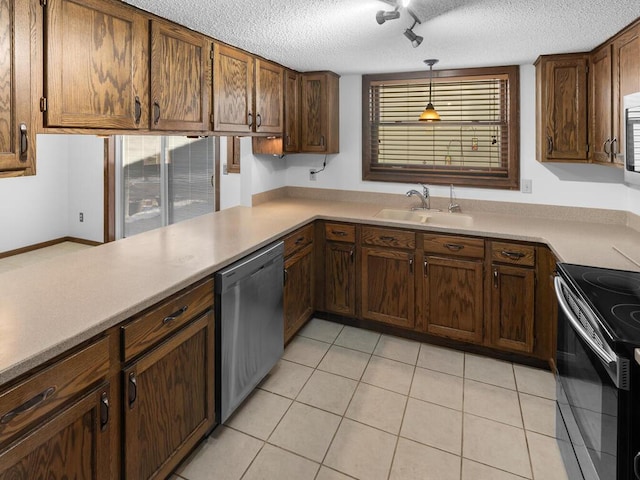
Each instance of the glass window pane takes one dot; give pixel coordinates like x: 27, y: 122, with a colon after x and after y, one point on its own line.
x: 141, y: 164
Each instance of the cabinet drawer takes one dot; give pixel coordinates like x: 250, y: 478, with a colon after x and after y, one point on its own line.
x: 387, y: 237
x: 513, y: 253
x: 298, y: 239
x: 339, y: 232
x: 164, y: 319
x: 452, y: 245
x: 33, y: 399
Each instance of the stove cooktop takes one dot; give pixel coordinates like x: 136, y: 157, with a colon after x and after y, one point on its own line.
x: 613, y: 294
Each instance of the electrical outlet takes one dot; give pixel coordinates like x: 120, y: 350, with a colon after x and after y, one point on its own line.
x: 81, y: 217
x: 225, y: 170
x: 526, y: 186
x: 312, y: 175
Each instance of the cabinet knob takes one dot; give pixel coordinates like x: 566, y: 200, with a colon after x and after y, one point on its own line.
x: 512, y: 255
x: 174, y: 315
x: 614, y: 146
x: 454, y: 247
x: 156, y: 113
x: 138, y: 110
x: 604, y: 146
x: 133, y: 389
x: 104, y: 411
x: 549, y: 145
x: 258, y: 121
x: 250, y: 120
x: 27, y: 406
x: 495, y: 278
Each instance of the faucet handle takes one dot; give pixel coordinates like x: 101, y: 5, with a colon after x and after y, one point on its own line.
x: 425, y: 190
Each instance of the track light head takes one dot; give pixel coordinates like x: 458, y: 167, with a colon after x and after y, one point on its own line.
x: 415, y: 40
x: 383, y: 16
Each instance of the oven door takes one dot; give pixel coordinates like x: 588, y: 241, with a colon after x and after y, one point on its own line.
x: 588, y: 393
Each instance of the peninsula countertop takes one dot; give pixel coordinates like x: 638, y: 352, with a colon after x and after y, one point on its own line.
x: 52, y: 306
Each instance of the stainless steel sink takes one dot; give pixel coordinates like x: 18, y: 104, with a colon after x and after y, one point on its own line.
x: 430, y: 217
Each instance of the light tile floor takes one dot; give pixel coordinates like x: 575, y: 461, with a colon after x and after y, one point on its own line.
x: 36, y: 256
x: 347, y: 403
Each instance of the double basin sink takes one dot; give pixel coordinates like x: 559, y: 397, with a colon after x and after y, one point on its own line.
x: 431, y: 217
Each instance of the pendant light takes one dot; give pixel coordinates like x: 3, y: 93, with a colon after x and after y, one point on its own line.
x: 430, y: 114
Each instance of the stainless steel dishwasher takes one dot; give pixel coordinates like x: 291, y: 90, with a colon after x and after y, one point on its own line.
x: 249, y: 325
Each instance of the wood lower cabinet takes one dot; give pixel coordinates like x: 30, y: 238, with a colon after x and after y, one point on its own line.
x: 17, y: 137
x: 513, y: 296
x: 452, y: 287
x: 561, y: 97
x: 298, y: 290
x: 96, y: 68
x: 71, y: 444
x: 453, y: 298
x: 169, y: 401
x: 340, y: 269
x: 180, y: 78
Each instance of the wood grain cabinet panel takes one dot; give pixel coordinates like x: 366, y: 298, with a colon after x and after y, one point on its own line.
x: 512, y: 308
x: 291, y: 112
x: 453, y: 298
x: 72, y: 444
x: 388, y: 286
x: 17, y: 152
x: 604, y: 141
x: 319, y: 113
x: 180, y: 68
x: 269, y: 97
x: 169, y: 401
x: 561, y: 95
x: 340, y: 278
x: 96, y: 68
x: 298, y: 290
x: 233, y: 90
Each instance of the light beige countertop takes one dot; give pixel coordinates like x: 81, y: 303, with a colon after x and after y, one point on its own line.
x: 49, y: 307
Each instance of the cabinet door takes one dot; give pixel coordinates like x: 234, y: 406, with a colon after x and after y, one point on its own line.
x: 388, y: 286
x: 72, y: 444
x: 602, y: 138
x: 16, y: 132
x: 298, y: 290
x: 340, y: 278
x: 169, y: 401
x: 179, y: 78
x: 269, y: 98
x: 233, y: 90
x: 318, y: 113
x: 512, y: 308
x: 291, y: 112
x: 453, y: 298
x: 626, y: 54
x: 96, y: 72
x: 565, y: 109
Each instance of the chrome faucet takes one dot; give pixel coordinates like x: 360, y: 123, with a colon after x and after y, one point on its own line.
x: 453, y: 206
x: 424, y: 198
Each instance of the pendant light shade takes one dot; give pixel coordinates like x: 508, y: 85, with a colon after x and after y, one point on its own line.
x: 430, y: 114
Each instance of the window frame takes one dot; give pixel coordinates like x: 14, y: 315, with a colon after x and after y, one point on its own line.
x: 415, y: 174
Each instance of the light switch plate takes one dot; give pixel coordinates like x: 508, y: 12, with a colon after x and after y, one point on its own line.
x: 526, y: 185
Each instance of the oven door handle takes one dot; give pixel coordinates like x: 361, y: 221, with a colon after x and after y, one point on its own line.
x: 604, y: 356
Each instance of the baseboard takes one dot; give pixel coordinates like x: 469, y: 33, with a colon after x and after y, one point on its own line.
x: 48, y: 243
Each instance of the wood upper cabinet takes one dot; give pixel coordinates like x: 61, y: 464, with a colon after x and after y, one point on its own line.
x: 513, y: 294
x: 561, y: 97
x: 626, y: 77
x: 180, y: 78
x: 233, y: 90
x: 291, y: 140
x: 17, y: 152
x: 169, y: 401
x: 452, y: 293
x: 340, y: 269
x: 269, y: 97
x: 319, y: 115
x: 604, y: 140
x: 387, y: 272
x: 299, y: 285
x: 96, y: 65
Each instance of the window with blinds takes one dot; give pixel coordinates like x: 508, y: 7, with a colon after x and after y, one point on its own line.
x: 475, y: 143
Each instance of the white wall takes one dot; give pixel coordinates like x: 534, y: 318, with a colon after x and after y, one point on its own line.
x: 34, y: 209
x: 86, y: 187
x: 557, y: 184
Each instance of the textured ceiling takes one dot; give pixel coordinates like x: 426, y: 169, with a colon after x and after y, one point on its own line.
x: 343, y: 35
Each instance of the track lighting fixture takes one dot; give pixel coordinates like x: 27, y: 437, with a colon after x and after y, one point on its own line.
x: 383, y: 16
x: 413, y: 38
x: 430, y: 114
